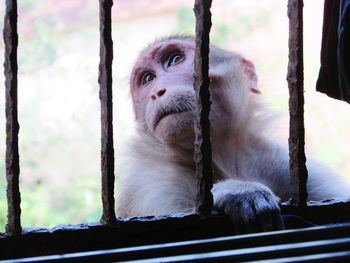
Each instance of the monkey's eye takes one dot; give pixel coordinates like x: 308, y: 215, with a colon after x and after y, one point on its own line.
x: 147, y: 77
x: 174, y: 59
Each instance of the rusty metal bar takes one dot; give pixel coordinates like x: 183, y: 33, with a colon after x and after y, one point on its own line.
x: 202, y: 143
x: 295, y: 79
x: 13, y: 226
x: 105, y: 80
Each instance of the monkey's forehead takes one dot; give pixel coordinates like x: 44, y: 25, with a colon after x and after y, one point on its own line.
x: 181, y: 40
x: 154, y: 46
x: 177, y: 37
x: 149, y: 54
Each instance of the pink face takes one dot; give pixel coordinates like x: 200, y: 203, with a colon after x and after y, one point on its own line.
x: 163, y: 94
x: 160, y: 64
x: 162, y: 87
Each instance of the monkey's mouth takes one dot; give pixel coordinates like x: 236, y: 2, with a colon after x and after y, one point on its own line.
x: 161, y: 114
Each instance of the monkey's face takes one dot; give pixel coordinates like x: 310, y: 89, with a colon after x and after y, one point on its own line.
x: 164, y: 97
x: 162, y: 90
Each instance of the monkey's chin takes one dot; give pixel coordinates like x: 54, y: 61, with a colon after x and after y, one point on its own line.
x: 175, y: 128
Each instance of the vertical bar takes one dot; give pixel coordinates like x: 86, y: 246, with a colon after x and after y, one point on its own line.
x: 202, y: 143
x: 12, y: 127
x: 295, y: 79
x: 105, y: 80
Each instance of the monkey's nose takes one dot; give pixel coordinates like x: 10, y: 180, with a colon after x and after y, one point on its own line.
x: 161, y: 92
x: 158, y: 94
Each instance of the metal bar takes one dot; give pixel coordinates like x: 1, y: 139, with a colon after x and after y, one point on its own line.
x: 202, y: 155
x: 295, y: 79
x: 342, y: 256
x: 12, y: 127
x: 281, y: 253
x: 105, y: 80
x: 254, y: 254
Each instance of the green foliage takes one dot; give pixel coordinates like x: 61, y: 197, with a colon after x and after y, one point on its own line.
x: 47, y: 201
x: 41, y: 52
x: 48, y: 207
x: 3, y: 209
x: 186, y: 21
x: 244, y: 24
x: 3, y: 202
x: 3, y: 218
x: 224, y: 30
x: 221, y: 36
x: 26, y: 5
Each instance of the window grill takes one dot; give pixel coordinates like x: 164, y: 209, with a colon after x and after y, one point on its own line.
x: 111, y: 232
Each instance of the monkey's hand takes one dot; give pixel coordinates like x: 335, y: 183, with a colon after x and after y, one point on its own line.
x: 251, y: 206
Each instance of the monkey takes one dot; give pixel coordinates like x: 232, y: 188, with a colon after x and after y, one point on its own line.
x: 250, y: 170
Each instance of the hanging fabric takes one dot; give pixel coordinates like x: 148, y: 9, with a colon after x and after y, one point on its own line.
x: 334, y: 75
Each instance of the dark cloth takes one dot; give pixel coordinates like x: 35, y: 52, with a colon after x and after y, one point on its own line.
x: 334, y: 75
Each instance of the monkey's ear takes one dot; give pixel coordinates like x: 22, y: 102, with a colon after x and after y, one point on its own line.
x: 249, y: 71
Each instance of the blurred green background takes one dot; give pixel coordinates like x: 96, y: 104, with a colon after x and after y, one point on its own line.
x: 58, y: 91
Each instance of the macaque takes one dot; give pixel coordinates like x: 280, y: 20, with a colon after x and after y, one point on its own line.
x: 251, y: 171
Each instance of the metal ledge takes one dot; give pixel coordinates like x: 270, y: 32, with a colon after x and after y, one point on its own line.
x: 316, y: 244
x: 152, y: 230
